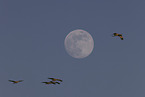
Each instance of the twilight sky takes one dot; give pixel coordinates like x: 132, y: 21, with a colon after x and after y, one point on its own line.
x: 32, y: 34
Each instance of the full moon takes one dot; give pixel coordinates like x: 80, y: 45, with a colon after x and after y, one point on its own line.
x: 79, y: 43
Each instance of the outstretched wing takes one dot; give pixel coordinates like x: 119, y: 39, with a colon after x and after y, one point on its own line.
x: 44, y: 82
x: 51, y: 78
x: 11, y: 81
x: 20, y: 80
x: 121, y: 37
x: 59, y: 80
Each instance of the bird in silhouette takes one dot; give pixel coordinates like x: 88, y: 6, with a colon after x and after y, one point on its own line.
x: 14, y: 82
x: 51, y: 82
x: 120, y: 35
x: 54, y: 79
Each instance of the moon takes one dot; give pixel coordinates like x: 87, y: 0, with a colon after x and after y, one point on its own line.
x: 79, y: 43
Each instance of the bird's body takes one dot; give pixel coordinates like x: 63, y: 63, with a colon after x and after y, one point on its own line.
x: 14, y: 82
x: 54, y: 79
x: 120, y: 35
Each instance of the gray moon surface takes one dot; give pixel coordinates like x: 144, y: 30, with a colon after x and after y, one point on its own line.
x: 79, y: 43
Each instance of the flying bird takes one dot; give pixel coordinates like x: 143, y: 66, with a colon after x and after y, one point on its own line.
x: 14, y: 82
x: 54, y: 79
x: 48, y: 82
x: 51, y: 82
x: 120, y: 35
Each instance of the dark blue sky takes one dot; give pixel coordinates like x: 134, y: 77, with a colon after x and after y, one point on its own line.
x: 32, y: 34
